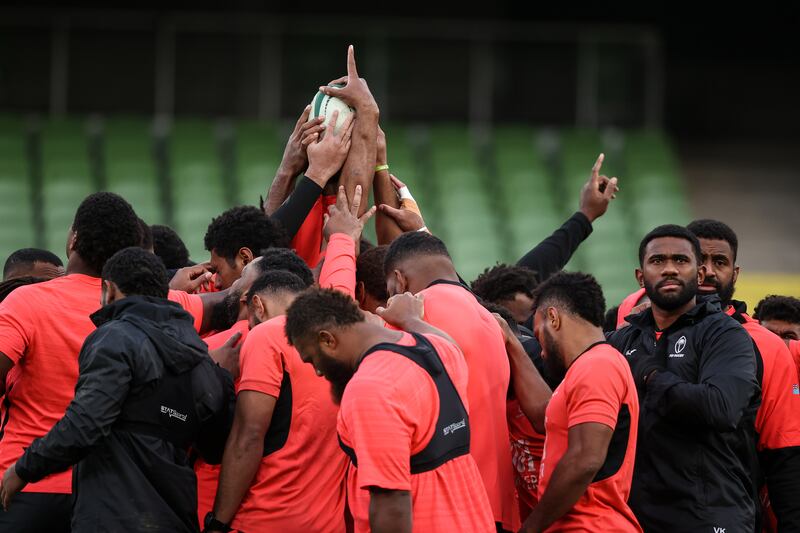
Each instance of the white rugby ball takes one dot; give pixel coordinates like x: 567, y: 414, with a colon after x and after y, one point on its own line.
x: 323, y: 106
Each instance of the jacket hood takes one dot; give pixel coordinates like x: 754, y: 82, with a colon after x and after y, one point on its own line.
x: 165, y: 323
x: 705, y: 305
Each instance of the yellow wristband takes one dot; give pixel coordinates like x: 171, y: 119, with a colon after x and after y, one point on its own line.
x: 378, y: 168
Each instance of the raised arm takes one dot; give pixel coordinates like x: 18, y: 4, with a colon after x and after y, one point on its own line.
x: 360, y: 165
x: 550, y: 255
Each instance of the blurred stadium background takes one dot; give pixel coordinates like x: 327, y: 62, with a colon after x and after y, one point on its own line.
x: 494, y: 119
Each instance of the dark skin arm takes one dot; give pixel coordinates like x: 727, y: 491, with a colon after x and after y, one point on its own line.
x: 530, y: 389
x: 389, y: 511
x: 586, y: 452
x: 383, y: 190
x: 210, y: 299
x: 5, y: 366
x: 242, y: 451
x: 359, y: 167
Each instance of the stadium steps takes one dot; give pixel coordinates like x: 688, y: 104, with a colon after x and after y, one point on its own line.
x: 16, y: 208
x: 66, y: 177
x: 130, y: 168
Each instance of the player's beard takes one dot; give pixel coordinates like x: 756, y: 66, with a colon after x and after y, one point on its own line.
x: 225, y: 314
x: 725, y: 292
x: 337, y: 373
x: 670, y: 302
x: 554, y: 367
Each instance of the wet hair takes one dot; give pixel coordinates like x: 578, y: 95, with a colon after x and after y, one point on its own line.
x: 774, y: 307
x: 26, y: 257
x: 104, y: 224
x: 576, y: 293
x: 714, y: 229
x: 414, y: 243
x: 169, y: 246
x: 275, y: 281
x: 137, y: 272
x: 318, y: 309
x: 502, y: 282
x: 243, y: 227
x: 285, y: 259
x: 369, y: 271
x: 671, y: 230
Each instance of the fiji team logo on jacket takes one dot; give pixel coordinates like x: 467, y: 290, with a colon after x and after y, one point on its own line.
x: 678, y: 348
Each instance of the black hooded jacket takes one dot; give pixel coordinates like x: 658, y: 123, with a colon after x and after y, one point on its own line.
x: 147, y: 390
x: 695, y: 455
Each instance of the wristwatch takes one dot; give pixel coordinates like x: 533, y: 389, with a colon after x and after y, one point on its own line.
x: 210, y: 523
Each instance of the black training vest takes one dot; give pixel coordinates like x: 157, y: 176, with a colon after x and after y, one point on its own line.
x: 166, y: 410
x: 451, y: 438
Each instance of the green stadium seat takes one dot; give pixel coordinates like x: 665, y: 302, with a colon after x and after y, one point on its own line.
x: 16, y: 212
x: 197, y: 188
x: 66, y: 177
x: 130, y: 166
x: 259, y: 148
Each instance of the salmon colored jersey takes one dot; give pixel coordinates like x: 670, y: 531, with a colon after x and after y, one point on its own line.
x: 388, y: 413
x: 301, y: 485
x: 794, y: 348
x: 778, y: 416
x: 598, y: 388
x: 208, y: 475
x: 527, y: 447
x: 339, y: 269
x: 307, y: 242
x: 627, y: 305
x: 42, y: 329
x: 455, y: 310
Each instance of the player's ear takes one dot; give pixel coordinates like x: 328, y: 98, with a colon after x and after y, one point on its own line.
x: 735, y: 274
x: 245, y: 255
x: 259, y: 309
x: 554, y: 318
x: 701, y: 274
x: 361, y: 294
x: 639, y: 277
x: 327, y: 342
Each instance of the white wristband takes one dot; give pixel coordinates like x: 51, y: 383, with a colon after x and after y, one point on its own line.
x: 405, y: 194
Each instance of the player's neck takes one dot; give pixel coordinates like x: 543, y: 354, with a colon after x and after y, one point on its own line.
x: 582, y: 336
x: 369, y: 335
x: 665, y: 319
x: 76, y: 265
x: 433, y: 269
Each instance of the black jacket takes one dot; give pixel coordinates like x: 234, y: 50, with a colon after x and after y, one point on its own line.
x: 147, y: 390
x: 695, y: 455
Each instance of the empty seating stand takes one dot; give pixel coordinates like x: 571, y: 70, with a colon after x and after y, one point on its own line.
x: 16, y: 213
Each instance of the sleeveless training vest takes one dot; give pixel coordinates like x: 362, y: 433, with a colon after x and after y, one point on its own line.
x: 451, y: 437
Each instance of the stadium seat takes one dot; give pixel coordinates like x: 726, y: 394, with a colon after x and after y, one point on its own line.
x: 16, y: 212
x: 259, y: 149
x: 130, y: 166
x: 66, y: 177
x: 197, y: 188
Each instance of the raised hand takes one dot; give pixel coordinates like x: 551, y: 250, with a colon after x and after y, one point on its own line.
x: 355, y: 92
x: 295, y: 158
x: 343, y: 216
x: 402, y: 309
x: 406, y: 219
x: 190, y: 279
x: 327, y: 155
x: 227, y: 355
x: 597, y: 193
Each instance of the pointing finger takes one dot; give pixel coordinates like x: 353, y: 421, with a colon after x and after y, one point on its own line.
x: 352, y: 73
x: 596, y: 167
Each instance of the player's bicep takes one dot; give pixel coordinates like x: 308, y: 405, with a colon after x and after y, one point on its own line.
x: 5, y: 367
x: 253, y: 414
x: 590, y: 441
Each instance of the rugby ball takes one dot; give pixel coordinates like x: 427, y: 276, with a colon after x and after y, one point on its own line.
x: 323, y: 106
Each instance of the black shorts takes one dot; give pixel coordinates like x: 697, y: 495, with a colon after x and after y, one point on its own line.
x: 37, y: 512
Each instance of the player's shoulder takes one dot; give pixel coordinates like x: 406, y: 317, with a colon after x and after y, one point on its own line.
x: 599, y: 362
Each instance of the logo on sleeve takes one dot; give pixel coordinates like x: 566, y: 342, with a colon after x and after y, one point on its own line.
x: 679, y: 346
x: 796, y: 389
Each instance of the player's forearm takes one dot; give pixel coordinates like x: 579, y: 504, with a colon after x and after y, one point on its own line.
x: 385, y: 227
x: 569, y: 481
x: 280, y: 189
x: 239, y: 466
x: 359, y: 167
x: 530, y: 389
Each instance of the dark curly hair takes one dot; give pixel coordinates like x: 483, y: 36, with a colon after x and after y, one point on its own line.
x: 411, y: 244
x: 146, y: 235
x: 244, y: 226
x: 285, y: 259
x: 714, y: 229
x: 26, y: 257
x: 671, y: 230
x: 318, y: 309
x: 104, y: 224
x: 503, y: 312
x: 575, y: 292
x: 774, y: 307
x: 137, y: 272
x: 369, y: 271
x: 275, y: 281
x: 169, y: 246
x: 502, y: 282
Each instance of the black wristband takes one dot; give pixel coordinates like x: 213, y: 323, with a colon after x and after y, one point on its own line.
x: 210, y: 523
